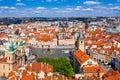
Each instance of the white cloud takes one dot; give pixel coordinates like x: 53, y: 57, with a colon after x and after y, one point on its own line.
x: 91, y: 2
x: 20, y: 4
x: 37, y: 12
x: 55, y: 8
x: 12, y: 7
x: 101, y: 7
x: 110, y: 4
x: 88, y: 9
x: 51, y: 0
x: 62, y: 11
x: 6, y: 7
x: 86, y: 12
x: 69, y: 9
x: 78, y: 7
x: 115, y: 8
x: 41, y: 8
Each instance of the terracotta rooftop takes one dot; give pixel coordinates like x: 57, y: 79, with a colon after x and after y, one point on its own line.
x: 44, y: 38
x: 110, y: 73
x: 93, y: 69
x: 36, y: 67
x: 93, y: 77
x: 81, y: 56
x: 28, y: 77
x: 3, y: 60
x: 115, y: 77
x: 28, y: 72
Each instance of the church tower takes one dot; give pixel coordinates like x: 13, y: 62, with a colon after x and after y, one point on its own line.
x: 10, y: 52
x: 80, y: 42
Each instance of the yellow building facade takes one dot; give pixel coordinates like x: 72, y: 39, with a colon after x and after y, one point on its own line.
x: 14, y: 57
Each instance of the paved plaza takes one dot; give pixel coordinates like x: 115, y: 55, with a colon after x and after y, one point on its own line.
x: 51, y: 53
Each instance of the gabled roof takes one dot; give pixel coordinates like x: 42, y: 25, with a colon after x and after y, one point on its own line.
x: 44, y: 38
x: 93, y: 69
x: 80, y: 56
x: 28, y: 77
x: 110, y: 73
x: 3, y: 60
x: 36, y: 67
x: 115, y: 77
x: 29, y: 71
x: 93, y: 77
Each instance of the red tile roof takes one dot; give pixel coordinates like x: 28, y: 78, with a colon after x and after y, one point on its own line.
x: 28, y: 66
x: 115, y: 77
x: 28, y: 77
x: 24, y: 73
x: 93, y: 77
x: 81, y: 56
x: 36, y: 67
x: 11, y: 74
x: 93, y: 69
x: 14, y: 78
x: 3, y: 60
x: 110, y: 73
x: 28, y: 71
x: 44, y: 38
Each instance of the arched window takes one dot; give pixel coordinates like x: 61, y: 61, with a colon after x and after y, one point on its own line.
x: 3, y: 74
x: 9, y: 58
x: 81, y: 42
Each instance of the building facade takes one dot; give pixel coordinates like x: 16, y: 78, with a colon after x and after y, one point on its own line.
x: 13, y: 57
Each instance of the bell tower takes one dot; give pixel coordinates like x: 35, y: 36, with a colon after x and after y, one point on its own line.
x: 21, y: 48
x: 10, y: 52
x: 80, y: 42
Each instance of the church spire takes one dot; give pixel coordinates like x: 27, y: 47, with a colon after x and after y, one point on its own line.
x: 81, y: 36
x: 80, y: 41
x: 21, y: 43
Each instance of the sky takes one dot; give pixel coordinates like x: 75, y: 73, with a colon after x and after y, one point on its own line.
x: 59, y: 8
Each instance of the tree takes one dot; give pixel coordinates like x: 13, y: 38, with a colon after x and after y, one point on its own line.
x: 61, y: 65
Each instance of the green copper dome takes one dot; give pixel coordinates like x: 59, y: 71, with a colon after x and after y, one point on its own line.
x: 11, y: 48
x: 21, y: 44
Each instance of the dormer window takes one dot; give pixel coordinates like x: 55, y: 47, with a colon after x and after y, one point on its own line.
x: 89, y: 63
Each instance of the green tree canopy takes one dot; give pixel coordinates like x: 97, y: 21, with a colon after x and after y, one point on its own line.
x: 61, y: 65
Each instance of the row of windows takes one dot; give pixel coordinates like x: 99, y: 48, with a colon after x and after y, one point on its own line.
x: 89, y: 63
x: 4, y: 67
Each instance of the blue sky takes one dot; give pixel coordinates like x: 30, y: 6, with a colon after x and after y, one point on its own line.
x: 59, y: 8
